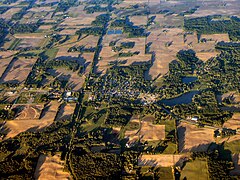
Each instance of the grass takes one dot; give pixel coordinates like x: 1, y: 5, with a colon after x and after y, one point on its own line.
x: 51, y: 53
x: 14, y: 44
x: 164, y: 173
x: 23, y: 98
x: 197, y: 168
x: 171, y: 148
x: 90, y: 125
x: 233, y: 146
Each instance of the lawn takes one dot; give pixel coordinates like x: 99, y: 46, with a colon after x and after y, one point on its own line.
x: 195, y: 170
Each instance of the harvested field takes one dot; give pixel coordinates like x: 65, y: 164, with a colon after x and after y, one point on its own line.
x: 166, y: 42
x: 50, y: 110
x: 204, y: 56
x: 50, y: 167
x: 215, y: 37
x: 194, y: 139
x: 236, y: 161
x: 66, y: 111
x: 7, y: 54
x: 41, y: 9
x: 28, y: 112
x: 9, y: 13
x: 3, y: 64
x: 67, y: 31
x: 150, y: 131
x: 211, y: 7
x: 18, y: 70
x: 75, y: 81
x: 87, y: 41
x: 234, y: 122
x: 109, y: 56
x: 230, y: 139
x: 45, y: 27
x: 29, y: 36
x: 145, y: 130
x: 163, y: 160
x: 139, y: 20
x: 30, y: 42
x: 15, y: 127
x: 133, y: 134
x: 81, y: 20
x: 234, y: 96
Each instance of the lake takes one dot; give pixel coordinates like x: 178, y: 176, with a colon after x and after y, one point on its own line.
x: 182, y: 99
x: 112, y: 31
x: 189, y: 79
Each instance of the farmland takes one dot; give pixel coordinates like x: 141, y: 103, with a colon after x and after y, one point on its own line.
x: 119, y: 89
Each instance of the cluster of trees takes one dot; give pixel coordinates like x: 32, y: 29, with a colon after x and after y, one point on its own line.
x: 97, y: 2
x: 96, y: 31
x: 214, y: 24
x: 219, y: 162
x: 190, y: 11
x: 6, y: 114
x: 127, y: 45
x: 96, y: 8
x: 87, y: 165
x: 128, y: 27
x: 101, y: 20
x: 20, y: 154
x: 24, y: 28
x: 205, y: 106
x: 64, y: 5
x: 186, y: 64
x: 222, y: 73
x: 119, y: 22
x: 9, y: 1
x: 3, y: 30
x: 227, y: 45
x: 72, y: 65
x: 119, y: 116
x: 3, y: 9
x: 81, y: 49
x: 128, y: 54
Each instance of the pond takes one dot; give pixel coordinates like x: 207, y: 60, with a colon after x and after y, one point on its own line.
x: 183, y: 99
x: 189, y: 79
x: 112, y: 31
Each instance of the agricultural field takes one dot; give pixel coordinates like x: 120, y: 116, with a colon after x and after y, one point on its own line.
x: 28, y: 112
x: 162, y: 160
x: 65, y: 111
x: 50, y: 167
x: 18, y: 70
x: 144, y: 130
x: 50, y: 111
x: 197, y: 168
x: 119, y: 89
x: 194, y: 139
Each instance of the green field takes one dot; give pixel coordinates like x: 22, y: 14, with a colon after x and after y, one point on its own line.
x: 233, y: 146
x: 196, y: 170
x: 51, y: 53
x: 14, y: 44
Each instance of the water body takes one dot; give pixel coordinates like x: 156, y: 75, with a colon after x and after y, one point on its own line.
x: 189, y: 79
x: 183, y: 99
x: 112, y: 31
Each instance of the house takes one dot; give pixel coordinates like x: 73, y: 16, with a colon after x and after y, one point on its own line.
x: 194, y: 118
